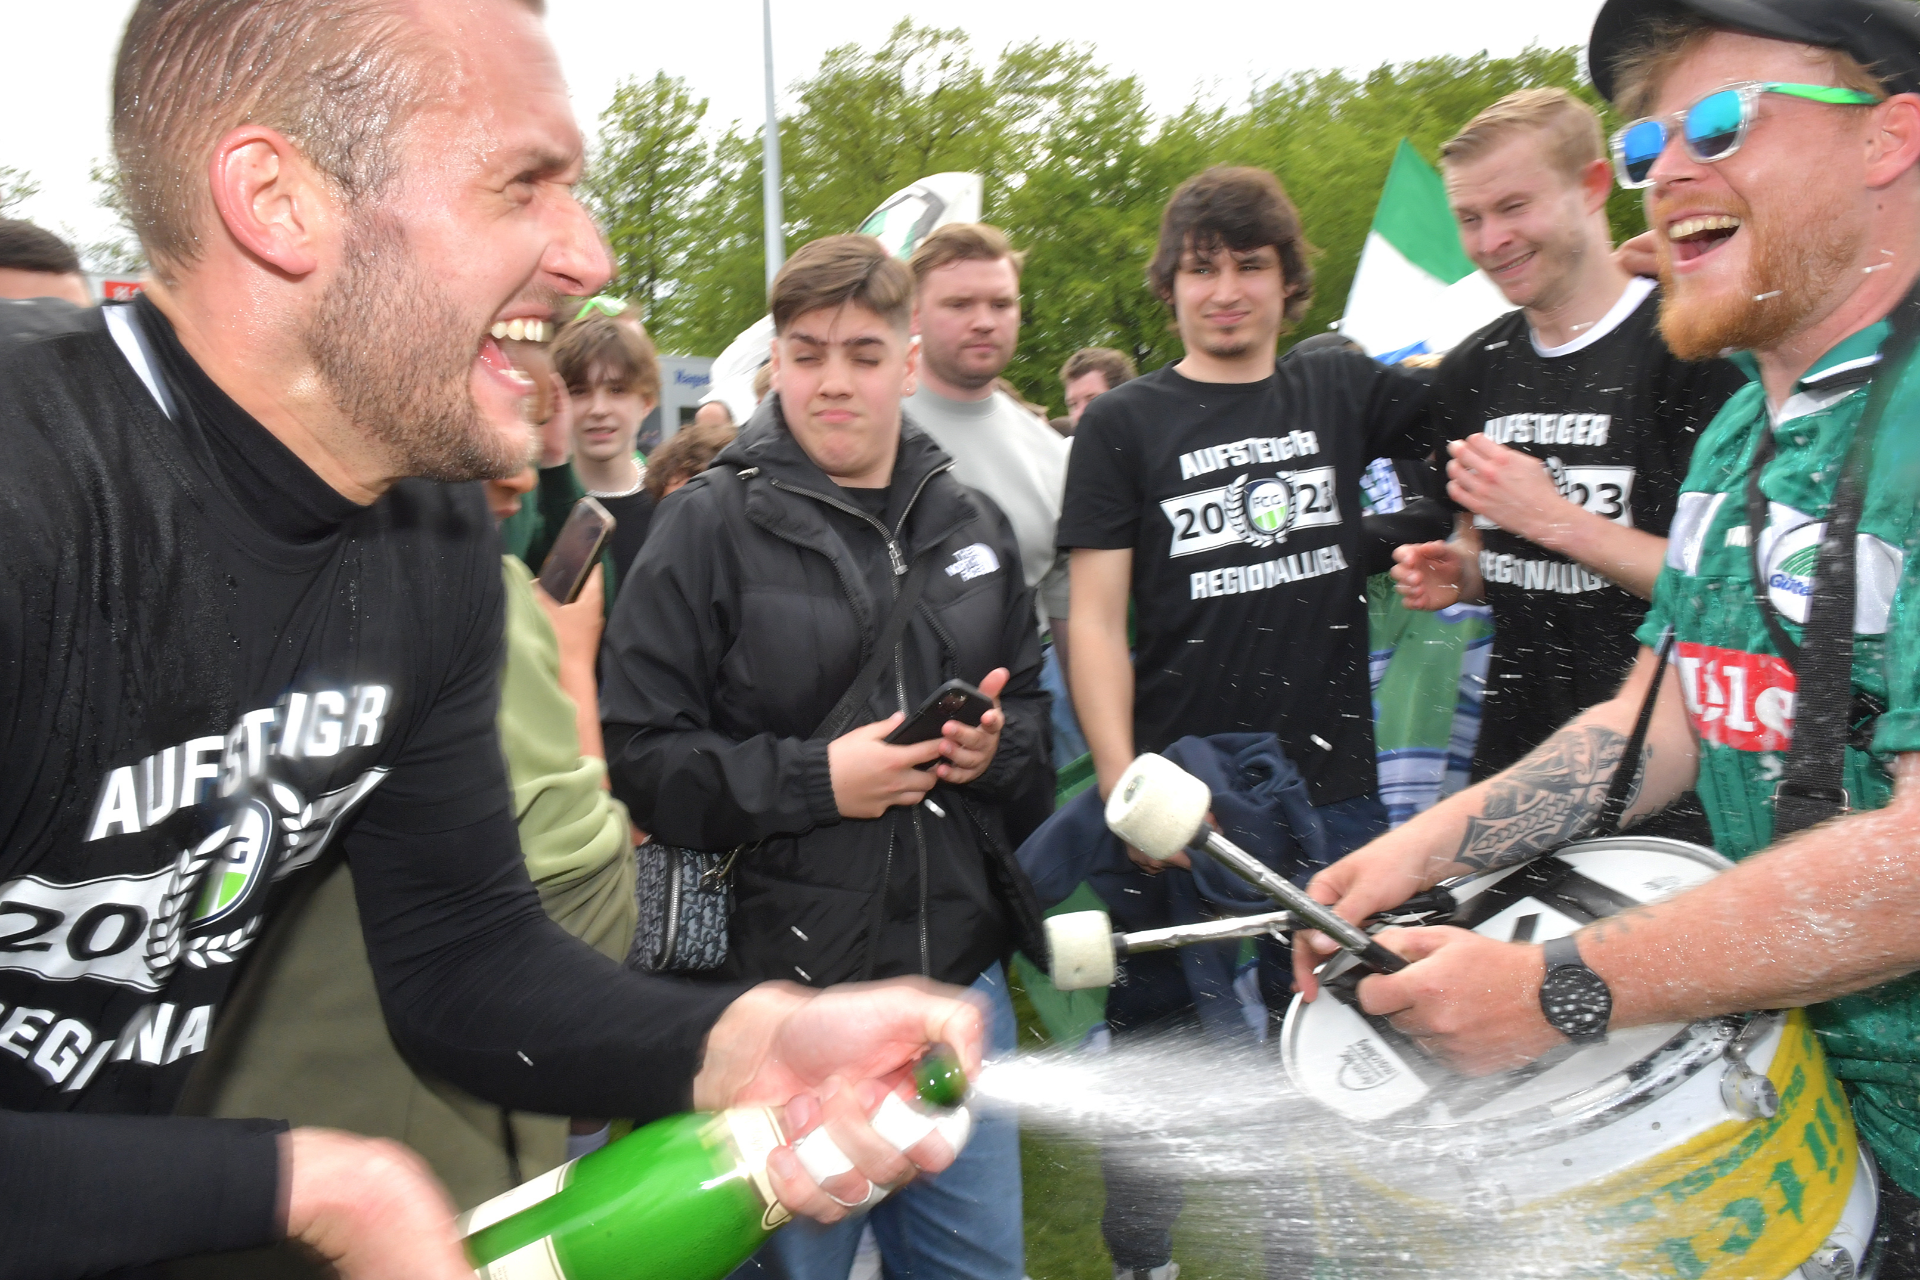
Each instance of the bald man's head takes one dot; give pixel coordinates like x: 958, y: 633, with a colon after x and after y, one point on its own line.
x: 341, y: 79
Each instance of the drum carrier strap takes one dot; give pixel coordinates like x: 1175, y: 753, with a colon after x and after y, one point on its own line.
x: 1620, y: 786
x: 1828, y: 714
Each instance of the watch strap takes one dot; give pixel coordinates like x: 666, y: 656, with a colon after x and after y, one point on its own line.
x: 1562, y: 953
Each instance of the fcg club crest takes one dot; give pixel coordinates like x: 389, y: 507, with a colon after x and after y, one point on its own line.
x: 1261, y: 510
x: 241, y: 862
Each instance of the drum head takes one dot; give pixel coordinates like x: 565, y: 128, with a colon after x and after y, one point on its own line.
x: 1362, y: 1069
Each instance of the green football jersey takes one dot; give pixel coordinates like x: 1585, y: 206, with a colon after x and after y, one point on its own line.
x: 1739, y: 691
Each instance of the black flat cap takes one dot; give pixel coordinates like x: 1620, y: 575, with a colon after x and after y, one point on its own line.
x: 1883, y: 35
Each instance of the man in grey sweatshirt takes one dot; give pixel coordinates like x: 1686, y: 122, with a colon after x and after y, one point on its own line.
x: 967, y: 316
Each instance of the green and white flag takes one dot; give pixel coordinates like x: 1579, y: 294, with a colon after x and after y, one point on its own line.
x: 1415, y: 289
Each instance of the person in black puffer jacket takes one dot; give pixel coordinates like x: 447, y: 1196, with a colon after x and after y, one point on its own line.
x: 763, y: 586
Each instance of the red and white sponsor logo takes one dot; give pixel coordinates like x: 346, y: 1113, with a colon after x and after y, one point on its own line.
x: 1737, y: 699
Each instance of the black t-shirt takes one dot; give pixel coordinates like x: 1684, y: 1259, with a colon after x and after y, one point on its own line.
x: 218, y: 669
x: 631, y: 516
x: 1614, y: 415
x: 300, y: 663
x: 1241, y: 505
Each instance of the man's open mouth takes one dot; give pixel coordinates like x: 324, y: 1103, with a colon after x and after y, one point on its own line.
x: 1513, y: 264
x: 523, y: 330
x: 496, y: 361
x: 1697, y: 237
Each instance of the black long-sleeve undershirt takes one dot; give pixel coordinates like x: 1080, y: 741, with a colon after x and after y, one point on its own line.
x: 84, y: 1195
x: 479, y: 987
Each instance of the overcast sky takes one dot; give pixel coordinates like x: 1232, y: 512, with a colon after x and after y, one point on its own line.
x: 53, y: 96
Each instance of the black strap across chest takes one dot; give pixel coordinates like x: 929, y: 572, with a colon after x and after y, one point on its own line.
x: 895, y: 626
x: 1827, y: 713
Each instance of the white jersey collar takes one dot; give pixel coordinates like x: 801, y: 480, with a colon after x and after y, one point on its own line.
x: 1636, y: 293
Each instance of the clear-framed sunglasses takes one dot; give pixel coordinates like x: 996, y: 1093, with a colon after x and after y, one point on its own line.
x: 1712, y: 128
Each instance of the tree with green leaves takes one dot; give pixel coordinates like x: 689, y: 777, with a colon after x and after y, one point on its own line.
x: 119, y: 252
x: 649, y: 171
x: 16, y: 188
x: 1076, y: 167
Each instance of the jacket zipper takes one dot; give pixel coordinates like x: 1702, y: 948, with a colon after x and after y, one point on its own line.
x: 670, y: 931
x: 898, y: 564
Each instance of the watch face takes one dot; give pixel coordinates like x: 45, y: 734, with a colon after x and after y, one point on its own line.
x: 1576, y: 1002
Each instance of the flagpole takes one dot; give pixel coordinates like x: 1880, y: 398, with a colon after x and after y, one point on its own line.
x: 770, y: 162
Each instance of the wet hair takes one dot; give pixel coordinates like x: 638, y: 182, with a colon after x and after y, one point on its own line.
x: 686, y: 454
x: 342, y: 79
x: 621, y: 347
x: 1112, y: 365
x: 25, y: 247
x: 1237, y: 209
x: 832, y: 272
x: 1661, y: 44
x: 1568, y: 128
x: 963, y: 242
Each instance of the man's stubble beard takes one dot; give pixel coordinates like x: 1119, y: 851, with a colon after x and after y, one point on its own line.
x: 396, y: 357
x: 948, y: 372
x: 1790, y: 270
x: 1225, y: 348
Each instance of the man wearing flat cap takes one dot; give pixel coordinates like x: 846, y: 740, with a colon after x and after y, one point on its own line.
x: 1778, y: 145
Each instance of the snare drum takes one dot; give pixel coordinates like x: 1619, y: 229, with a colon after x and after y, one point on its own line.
x: 1720, y: 1150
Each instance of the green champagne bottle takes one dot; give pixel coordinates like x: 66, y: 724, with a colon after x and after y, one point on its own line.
x: 685, y: 1198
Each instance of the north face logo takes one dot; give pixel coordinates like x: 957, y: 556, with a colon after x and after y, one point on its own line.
x: 974, y: 561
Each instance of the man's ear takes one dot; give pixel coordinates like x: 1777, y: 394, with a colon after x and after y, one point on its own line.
x: 1894, y: 146
x: 911, y: 382
x: 1596, y: 184
x: 270, y: 200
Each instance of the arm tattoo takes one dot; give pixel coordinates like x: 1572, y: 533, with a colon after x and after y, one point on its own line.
x: 1546, y: 799
x: 1615, y: 926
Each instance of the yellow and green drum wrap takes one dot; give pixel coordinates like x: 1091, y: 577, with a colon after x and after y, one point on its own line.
x: 1722, y: 1149
x: 1744, y: 1200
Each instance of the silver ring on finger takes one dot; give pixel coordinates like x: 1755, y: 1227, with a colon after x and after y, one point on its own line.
x: 861, y: 1203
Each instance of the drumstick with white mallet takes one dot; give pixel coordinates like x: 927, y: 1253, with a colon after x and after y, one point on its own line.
x: 1161, y: 810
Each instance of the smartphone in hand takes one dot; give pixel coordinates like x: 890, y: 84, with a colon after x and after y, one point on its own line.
x: 954, y: 700
x: 576, y: 550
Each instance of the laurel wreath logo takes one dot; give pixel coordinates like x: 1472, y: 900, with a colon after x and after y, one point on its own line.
x: 168, y: 930
x: 1237, y: 515
x: 1242, y: 525
x: 307, y: 827
x: 222, y: 948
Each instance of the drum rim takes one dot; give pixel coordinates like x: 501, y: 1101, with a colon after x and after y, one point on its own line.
x: 1692, y: 1048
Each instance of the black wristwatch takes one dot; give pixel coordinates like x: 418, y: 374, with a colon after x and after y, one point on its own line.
x: 1574, y: 998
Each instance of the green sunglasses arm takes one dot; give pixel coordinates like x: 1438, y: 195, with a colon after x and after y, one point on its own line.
x: 606, y: 304
x: 1823, y: 93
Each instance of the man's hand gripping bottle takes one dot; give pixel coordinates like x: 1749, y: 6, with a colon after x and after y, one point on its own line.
x: 685, y: 1198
